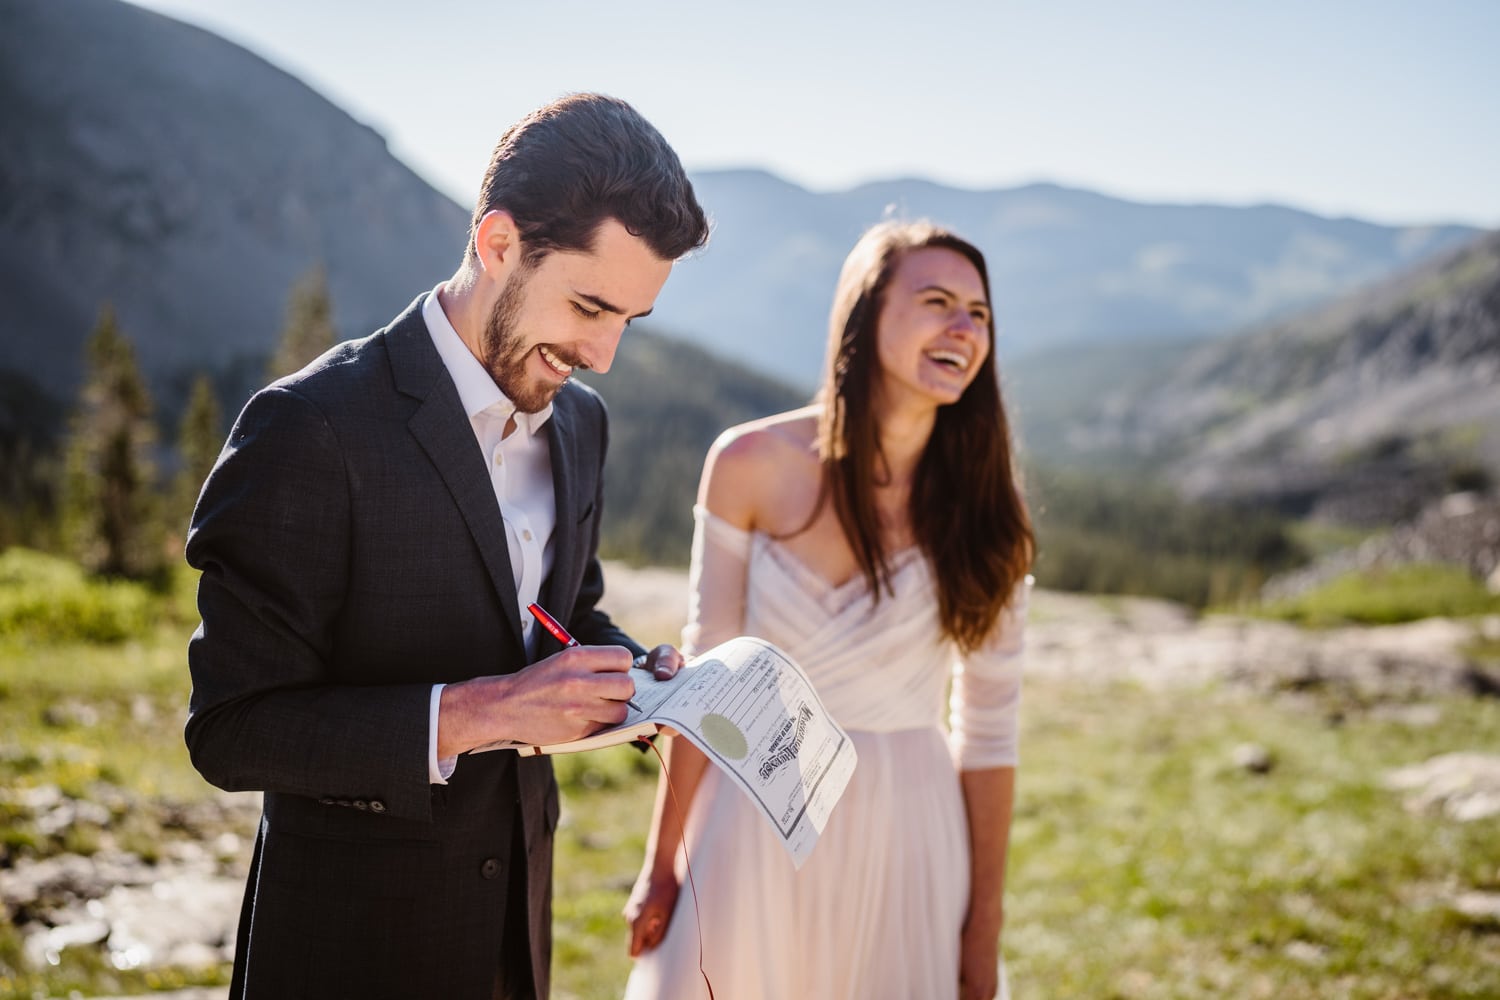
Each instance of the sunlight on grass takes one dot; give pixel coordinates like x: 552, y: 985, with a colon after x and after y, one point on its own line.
x: 1388, y: 596
x: 1146, y: 863
x: 75, y: 713
x: 1186, y: 875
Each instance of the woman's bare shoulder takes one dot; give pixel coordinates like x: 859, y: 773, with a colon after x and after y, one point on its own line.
x: 769, y: 439
x: 751, y: 464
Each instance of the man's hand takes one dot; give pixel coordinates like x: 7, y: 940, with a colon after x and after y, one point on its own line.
x: 567, y: 696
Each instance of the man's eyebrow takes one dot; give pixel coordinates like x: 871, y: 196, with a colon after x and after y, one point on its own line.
x: 608, y: 306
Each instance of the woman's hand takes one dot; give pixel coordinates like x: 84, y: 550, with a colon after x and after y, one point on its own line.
x: 978, y: 964
x: 649, y: 909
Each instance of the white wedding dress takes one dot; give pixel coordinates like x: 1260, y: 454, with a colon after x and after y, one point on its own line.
x: 876, y: 911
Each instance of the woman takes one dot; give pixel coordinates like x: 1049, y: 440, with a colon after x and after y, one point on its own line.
x: 880, y: 538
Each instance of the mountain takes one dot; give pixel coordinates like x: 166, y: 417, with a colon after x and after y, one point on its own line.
x: 1048, y: 391
x: 1065, y: 265
x: 667, y: 402
x: 189, y: 183
x: 1362, y: 409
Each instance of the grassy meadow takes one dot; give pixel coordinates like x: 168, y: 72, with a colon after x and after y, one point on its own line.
x: 1146, y: 862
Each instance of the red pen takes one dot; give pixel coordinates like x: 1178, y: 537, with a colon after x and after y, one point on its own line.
x: 560, y: 634
x: 551, y: 624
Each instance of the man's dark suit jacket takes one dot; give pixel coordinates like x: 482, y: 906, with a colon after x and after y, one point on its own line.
x: 352, y: 554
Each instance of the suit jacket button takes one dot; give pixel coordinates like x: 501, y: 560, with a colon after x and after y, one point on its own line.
x: 361, y: 804
x: 344, y: 802
x: 325, y: 800
x: 377, y: 806
x: 490, y: 868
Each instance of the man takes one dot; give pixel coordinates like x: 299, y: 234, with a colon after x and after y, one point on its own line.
x: 369, y: 541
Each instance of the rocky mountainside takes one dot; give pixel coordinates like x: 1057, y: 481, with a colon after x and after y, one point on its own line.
x: 1363, y: 409
x: 189, y: 183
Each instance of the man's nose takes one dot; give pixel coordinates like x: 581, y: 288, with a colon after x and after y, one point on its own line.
x: 599, y: 352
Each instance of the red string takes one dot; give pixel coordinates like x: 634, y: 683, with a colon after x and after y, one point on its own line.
x: 682, y: 829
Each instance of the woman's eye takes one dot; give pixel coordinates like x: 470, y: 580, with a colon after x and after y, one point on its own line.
x: 584, y: 312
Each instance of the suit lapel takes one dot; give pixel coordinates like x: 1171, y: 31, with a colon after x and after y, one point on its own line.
x: 442, y: 429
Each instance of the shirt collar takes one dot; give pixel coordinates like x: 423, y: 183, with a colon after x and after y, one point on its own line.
x: 476, y: 390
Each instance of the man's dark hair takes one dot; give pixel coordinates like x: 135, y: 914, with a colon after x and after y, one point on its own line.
x: 569, y: 165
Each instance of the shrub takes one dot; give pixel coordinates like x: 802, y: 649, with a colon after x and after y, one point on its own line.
x: 1121, y: 535
x: 1389, y: 595
x: 46, y: 598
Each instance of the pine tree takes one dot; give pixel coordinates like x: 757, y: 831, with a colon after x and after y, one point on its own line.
x: 309, y: 324
x: 199, y: 438
x: 111, y: 507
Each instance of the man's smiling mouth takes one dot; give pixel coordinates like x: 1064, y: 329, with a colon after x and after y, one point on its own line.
x: 562, y: 368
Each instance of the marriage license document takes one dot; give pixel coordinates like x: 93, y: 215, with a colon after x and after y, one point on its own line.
x: 751, y: 709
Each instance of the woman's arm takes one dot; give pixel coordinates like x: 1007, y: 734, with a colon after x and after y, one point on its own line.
x: 989, y: 796
x: 649, y: 909
x: 985, y: 719
x: 716, y: 611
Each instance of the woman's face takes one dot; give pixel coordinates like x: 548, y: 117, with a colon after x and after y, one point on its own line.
x: 932, y: 335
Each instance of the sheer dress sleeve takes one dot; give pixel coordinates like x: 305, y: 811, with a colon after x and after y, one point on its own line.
x: 717, y: 578
x: 984, y: 706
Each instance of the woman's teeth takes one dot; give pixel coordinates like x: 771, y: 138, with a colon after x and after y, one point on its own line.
x: 952, y: 359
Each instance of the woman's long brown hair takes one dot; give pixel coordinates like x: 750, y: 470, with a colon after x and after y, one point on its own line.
x: 967, y: 513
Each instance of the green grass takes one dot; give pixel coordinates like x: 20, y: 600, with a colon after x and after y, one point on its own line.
x: 1145, y: 864
x: 1321, y: 538
x: 607, y: 797
x: 1388, y: 596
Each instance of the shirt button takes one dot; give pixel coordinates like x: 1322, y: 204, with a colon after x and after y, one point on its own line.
x: 526, y: 534
x: 490, y: 868
x: 499, y: 458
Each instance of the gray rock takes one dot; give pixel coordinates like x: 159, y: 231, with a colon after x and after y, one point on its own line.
x: 1253, y: 757
x: 1461, y: 786
x: 1481, y: 907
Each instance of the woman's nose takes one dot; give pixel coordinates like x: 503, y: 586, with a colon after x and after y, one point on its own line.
x: 964, y: 322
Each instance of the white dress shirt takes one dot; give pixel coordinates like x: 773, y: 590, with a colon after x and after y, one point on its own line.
x: 520, y: 467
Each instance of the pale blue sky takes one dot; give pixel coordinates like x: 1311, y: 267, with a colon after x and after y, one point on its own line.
x: 1388, y: 110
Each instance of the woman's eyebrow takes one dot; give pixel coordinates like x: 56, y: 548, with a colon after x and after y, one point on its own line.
x: 950, y: 294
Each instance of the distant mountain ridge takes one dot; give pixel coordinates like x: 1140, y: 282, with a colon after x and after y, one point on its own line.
x: 1065, y: 265
x: 1362, y: 409
x: 188, y: 182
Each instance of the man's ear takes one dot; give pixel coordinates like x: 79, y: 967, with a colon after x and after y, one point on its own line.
x: 497, y: 244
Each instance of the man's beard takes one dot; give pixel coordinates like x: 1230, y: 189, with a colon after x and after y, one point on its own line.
x: 505, y: 350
